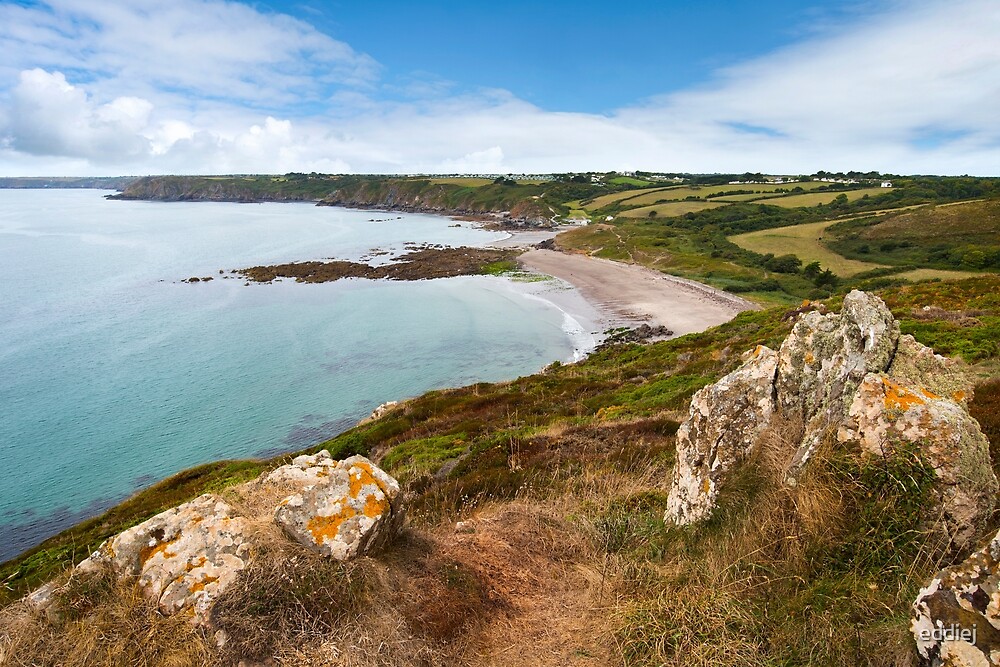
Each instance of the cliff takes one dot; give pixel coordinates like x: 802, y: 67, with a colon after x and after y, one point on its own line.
x: 518, y: 204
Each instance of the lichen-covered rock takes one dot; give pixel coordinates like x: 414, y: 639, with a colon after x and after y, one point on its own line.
x: 825, y: 358
x: 918, y: 366
x: 353, y: 511
x: 849, y: 374
x: 723, y: 424
x: 885, y: 414
x: 304, y: 470
x: 184, y: 558
x: 956, y: 618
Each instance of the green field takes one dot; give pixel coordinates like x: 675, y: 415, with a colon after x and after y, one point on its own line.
x: 805, y: 242
x: 683, y: 192
x: 612, y: 197
x: 670, y: 209
x: 628, y: 180
x: 814, y: 198
x: 464, y: 181
x: 802, y: 241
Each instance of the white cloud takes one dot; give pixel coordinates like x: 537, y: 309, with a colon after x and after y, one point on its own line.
x: 914, y: 88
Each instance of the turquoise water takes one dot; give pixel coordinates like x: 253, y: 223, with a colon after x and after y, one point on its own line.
x: 113, y: 374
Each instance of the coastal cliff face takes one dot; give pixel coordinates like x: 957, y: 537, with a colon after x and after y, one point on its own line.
x: 519, y: 205
x: 200, y: 188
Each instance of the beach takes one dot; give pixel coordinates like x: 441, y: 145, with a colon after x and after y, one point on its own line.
x: 627, y: 294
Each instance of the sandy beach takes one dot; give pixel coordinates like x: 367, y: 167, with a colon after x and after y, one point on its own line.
x: 629, y: 293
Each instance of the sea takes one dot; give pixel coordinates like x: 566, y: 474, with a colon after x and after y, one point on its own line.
x: 115, y: 374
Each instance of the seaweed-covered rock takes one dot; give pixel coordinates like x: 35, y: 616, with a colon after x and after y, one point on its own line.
x: 886, y: 414
x: 722, y: 427
x: 956, y: 617
x: 184, y: 558
x: 354, y: 511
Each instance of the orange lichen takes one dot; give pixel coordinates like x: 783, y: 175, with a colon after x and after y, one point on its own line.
x: 810, y: 357
x: 360, y: 478
x: 928, y: 393
x: 959, y: 395
x: 158, y: 548
x: 192, y: 565
x: 897, y: 397
x: 706, y: 486
x: 324, y: 528
x: 200, y: 586
x: 374, y: 506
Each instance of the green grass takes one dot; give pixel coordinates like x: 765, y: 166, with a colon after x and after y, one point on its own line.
x: 612, y: 197
x: 804, y: 241
x: 670, y: 209
x: 815, y: 198
x: 628, y: 180
x: 962, y: 235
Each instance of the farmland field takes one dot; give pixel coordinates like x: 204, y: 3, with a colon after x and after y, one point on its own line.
x: 462, y: 180
x: 611, y: 198
x: 814, y: 198
x: 652, y: 196
x: 670, y: 209
x: 804, y: 242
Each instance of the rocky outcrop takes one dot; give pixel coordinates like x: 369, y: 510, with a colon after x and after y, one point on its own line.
x: 708, y: 447
x: 354, y: 510
x: 956, y: 617
x: 186, y: 557
x: 183, y: 558
x: 886, y: 415
x: 848, y: 377
x: 825, y: 358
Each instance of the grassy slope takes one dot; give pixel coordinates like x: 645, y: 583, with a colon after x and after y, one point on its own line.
x: 779, y: 577
x: 958, y: 235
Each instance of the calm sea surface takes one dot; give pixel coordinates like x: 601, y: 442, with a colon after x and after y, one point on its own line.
x: 113, y: 374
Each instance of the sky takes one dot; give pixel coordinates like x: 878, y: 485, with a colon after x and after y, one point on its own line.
x: 91, y: 87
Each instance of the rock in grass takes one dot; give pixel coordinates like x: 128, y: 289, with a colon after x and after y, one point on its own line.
x: 956, y: 617
x: 305, y: 470
x: 825, y: 358
x: 353, y: 511
x: 184, y: 558
x: 724, y: 422
x: 853, y: 374
x: 886, y: 416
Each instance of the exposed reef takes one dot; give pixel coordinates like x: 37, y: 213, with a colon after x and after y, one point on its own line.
x: 422, y: 264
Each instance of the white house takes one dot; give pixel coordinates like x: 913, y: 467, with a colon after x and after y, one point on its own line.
x: 886, y: 184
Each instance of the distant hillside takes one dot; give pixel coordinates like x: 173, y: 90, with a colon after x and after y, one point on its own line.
x: 533, y: 202
x: 963, y: 235
x: 94, y: 182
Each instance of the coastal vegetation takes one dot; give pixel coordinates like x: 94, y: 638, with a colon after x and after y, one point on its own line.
x: 536, y: 505
x: 562, y: 473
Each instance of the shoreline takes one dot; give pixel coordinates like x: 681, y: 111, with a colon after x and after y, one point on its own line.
x: 630, y: 295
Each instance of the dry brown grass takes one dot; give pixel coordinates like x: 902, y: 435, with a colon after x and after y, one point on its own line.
x: 97, y: 621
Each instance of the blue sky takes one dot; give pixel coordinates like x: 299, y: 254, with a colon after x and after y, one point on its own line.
x: 213, y: 86
x: 565, y: 56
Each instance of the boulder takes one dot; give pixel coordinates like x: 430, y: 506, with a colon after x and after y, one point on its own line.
x: 722, y: 427
x: 825, y: 358
x: 353, y: 511
x: 918, y: 366
x: 183, y: 558
x: 305, y: 470
x: 956, y: 617
x: 852, y: 376
x: 886, y: 414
